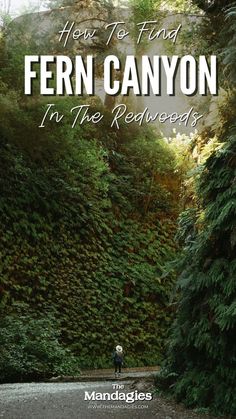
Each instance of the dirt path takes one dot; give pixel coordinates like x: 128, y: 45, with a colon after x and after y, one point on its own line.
x: 67, y: 401
x: 108, y: 374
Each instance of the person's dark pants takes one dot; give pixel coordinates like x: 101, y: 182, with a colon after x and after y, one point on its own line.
x: 118, y: 367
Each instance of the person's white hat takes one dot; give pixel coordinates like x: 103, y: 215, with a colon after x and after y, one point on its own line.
x: 119, y: 348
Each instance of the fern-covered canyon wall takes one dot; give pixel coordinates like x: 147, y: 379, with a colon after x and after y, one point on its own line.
x: 121, y: 236
x: 201, y: 366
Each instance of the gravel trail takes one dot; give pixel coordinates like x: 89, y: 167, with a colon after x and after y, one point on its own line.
x: 66, y: 401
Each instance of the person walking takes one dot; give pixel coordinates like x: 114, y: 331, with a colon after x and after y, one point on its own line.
x: 118, y: 358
